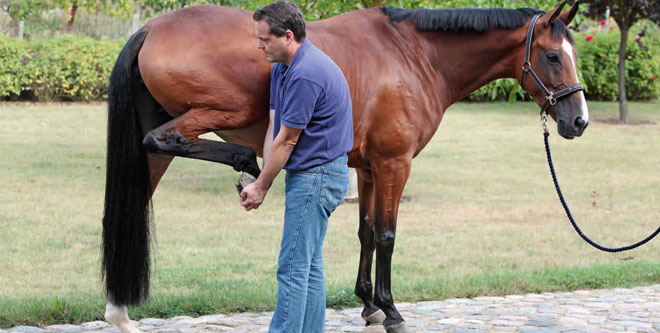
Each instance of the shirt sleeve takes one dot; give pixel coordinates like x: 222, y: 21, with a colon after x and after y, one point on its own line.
x: 299, y: 103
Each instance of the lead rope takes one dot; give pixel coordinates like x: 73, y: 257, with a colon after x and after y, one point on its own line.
x: 546, y: 134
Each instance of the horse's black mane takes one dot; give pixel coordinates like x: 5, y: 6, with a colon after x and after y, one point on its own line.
x: 470, y: 19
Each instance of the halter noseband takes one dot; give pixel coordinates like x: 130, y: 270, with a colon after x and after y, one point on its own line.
x: 551, y: 99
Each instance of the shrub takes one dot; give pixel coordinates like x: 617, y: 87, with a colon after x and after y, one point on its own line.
x: 14, y: 54
x: 65, y: 68
x: 599, y: 63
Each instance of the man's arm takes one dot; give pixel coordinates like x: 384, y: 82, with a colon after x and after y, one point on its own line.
x: 287, y: 138
x: 268, y: 140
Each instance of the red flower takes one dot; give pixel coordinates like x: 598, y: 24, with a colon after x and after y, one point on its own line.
x: 612, y: 27
x: 603, y: 22
x: 590, y: 37
x: 638, y: 37
x: 655, y: 78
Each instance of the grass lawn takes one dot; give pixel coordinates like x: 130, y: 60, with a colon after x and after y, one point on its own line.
x: 479, y: 217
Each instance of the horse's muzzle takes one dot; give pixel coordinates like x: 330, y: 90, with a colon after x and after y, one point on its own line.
x: 570, y: 130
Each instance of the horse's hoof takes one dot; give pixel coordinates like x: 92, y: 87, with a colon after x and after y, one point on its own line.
x: 375, y: 318
x: 244, y: 180
x: 397, y: 328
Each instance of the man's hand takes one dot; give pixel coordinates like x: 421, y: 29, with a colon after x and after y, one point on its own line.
x: 253, y: 195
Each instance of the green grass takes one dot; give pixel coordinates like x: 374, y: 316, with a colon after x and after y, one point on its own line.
x: 480, y: 217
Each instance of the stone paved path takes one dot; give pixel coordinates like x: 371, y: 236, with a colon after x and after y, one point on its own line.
x: 614, y: 310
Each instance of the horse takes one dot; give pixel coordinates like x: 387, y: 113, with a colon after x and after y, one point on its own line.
x: 198, y: 70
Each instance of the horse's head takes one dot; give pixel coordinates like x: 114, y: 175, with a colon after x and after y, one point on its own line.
x: 549, y: 71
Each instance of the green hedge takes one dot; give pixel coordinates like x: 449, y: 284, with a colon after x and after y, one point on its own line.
x: 77, y: 68
x: 598, y: 61
x: 65, y: 68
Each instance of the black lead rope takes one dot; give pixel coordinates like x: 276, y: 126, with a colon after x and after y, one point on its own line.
x: 546, y: 134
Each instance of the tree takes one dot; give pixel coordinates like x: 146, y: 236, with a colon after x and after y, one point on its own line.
x: 120, y: 8
x: 625, y: 13
x: 24, y: 11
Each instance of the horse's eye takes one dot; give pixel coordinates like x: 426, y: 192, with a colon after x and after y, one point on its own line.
x: 552, y: 57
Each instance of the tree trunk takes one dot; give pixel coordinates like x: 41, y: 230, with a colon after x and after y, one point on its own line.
x: 14, y: 20
x: 135, y: 23
x: 623, y: 97
x: 19, y: 33
x: 74, y: 11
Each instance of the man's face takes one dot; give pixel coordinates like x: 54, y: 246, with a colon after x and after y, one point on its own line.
x: 274, y: 47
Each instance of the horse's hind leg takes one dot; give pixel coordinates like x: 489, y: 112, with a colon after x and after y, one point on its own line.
x: 363, y: 287
x: 390, y: 177
x: 179, y: 137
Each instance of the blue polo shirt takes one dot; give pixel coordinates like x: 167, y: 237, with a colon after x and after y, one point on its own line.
x: 312, y: 94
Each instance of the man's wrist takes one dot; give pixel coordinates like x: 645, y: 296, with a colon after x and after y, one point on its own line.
x: 262, y: 184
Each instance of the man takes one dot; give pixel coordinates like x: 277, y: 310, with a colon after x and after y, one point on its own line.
x: 312, y: 130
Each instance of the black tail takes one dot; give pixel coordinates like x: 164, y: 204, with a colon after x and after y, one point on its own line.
x: 127, y: 194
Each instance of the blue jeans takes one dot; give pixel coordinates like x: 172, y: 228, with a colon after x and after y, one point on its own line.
x: 311, y: 196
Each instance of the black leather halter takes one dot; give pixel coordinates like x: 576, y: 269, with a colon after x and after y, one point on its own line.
x: 551, y: 98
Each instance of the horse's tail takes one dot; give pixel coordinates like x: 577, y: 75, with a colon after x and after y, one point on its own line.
x: 127, y: 211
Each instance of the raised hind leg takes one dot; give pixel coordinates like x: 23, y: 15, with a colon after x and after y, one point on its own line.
x: 180, y: 137
x: 363, y: 287
x: 390, y: 177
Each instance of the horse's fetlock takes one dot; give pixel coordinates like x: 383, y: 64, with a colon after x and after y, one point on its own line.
x: 363, y: 289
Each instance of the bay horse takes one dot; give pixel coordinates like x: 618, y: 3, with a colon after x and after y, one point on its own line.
x: 198, y: 70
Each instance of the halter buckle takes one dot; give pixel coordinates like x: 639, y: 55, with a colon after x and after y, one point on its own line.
x: 551, y: 100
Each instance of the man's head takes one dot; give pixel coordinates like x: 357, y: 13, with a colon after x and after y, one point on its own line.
x: 280, y: 29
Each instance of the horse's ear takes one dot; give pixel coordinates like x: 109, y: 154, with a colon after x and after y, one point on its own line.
x: 568, y: 16
x: 554, y: 14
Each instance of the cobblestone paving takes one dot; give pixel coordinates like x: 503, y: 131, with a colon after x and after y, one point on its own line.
x: 614, y: 310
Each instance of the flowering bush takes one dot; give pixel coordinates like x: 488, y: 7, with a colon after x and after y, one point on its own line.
x: 598, y: 62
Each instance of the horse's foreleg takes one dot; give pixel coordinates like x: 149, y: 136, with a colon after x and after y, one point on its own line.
x: 363, y: 287
x: 118, y: 316
x: 390, y: 177
x: 179, y: 137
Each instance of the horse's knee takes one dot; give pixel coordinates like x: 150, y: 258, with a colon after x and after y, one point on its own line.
x: 385, y: 239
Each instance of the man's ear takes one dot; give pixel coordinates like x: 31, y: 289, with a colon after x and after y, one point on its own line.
x: 290, y: 37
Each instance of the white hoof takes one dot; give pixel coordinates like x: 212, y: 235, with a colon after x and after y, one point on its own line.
x: 375, y: 318
x: 118, y: 316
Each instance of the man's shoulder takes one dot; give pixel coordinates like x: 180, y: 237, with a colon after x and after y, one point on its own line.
x: 315, y: 66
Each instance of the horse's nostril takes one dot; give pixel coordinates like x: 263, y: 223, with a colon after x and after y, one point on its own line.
x: 579, y: 123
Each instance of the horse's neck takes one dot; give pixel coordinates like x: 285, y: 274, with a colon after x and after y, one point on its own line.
x: 464, y: 62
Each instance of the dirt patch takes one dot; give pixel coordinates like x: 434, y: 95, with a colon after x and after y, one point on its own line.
x: 632, y: 122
